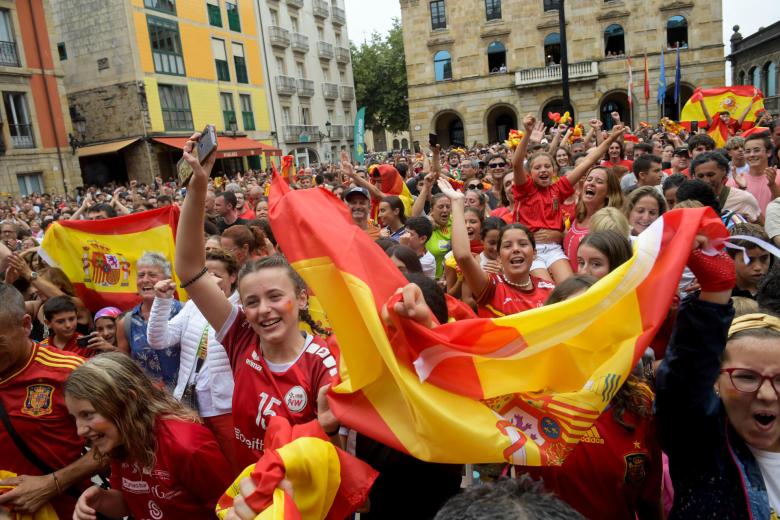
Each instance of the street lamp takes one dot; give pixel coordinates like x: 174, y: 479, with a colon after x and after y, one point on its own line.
x: 81, y: 129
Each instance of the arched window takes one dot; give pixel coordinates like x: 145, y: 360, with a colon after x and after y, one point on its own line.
x: 396, y: 144
x: 741, y: 77
x: 442, y: 65
x: 755, y: 76
x: 677, y: 32
x: 770, y: 79
x: 614, y: 41
x: 496, y: 58
x: 404, y: 144
x: 552, y: 49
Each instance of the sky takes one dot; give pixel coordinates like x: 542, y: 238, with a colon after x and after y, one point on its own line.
x: 367, y: 16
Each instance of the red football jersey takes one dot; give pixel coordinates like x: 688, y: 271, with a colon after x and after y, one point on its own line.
x: 501, y: 299
x: 610, y: 471
x: 71, y: 346
x: 190, y: 474
x: 541, y: 208
x: 33, y: 397
x: 261, y: 392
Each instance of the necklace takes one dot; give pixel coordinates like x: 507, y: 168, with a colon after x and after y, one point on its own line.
x: 524, y: 285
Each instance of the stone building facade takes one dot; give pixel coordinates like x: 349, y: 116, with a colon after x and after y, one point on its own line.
x: 309, y: 65
x: 34, y: 120
x: 755, y: 60
x: 475, y: 67
x: 142, y: 75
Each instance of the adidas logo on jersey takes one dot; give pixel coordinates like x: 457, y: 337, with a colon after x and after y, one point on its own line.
x: 592, y: 436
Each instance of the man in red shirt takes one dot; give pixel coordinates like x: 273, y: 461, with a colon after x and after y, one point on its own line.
x: 31, y: 391
x: 680, y: 160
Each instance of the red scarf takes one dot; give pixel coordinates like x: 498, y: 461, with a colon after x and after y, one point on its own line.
x: 477, y: 246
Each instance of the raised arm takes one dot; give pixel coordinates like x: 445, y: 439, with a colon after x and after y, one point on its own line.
x: 594, y: 156
x: 190, y: 260
x: 518, y: 155
x: 162, y: 333
x: 424, y: 195
x: 555, y: 144
x: 745, y: 113
x: 473, y: 275
x: 706, y: 112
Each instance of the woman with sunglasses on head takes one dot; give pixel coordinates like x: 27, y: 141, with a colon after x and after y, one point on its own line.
x: 717, y: 403
x: 277, y: 368
x: 506, y: 211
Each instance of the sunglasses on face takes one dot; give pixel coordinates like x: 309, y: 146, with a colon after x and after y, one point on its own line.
x: 497, y: 165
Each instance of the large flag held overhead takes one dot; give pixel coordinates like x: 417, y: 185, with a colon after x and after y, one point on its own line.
x: 391, y: 183
x: 99, y: 256
x: 521, y: 388
x: 734, y: 100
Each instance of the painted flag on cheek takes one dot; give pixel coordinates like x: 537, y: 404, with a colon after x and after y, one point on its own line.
x: 99, y: 256
x: 522, y: 388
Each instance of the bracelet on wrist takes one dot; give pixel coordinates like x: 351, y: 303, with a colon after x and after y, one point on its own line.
x: 195, y: 278
x: 56, y: 483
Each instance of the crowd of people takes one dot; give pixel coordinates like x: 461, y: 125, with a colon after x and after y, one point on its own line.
x: 173, y: 399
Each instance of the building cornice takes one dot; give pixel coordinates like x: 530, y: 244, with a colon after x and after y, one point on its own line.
x: 675, y: 6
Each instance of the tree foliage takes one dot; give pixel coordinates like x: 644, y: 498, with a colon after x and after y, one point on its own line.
x: 379, y: 69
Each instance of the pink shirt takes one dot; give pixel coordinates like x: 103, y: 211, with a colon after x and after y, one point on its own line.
x: 758, y: 187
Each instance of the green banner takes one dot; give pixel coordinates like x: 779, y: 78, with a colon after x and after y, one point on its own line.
x: 360, y: 136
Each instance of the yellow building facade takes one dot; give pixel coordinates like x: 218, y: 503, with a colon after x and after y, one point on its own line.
x: 169, y: 67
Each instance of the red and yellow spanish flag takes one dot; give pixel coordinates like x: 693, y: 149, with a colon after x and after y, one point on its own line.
x: 288, y: 168
x: 327, y: 482
x: 734, y: 100
x: 522, y: 388
x: 390, y: 183
x: 99, y: 256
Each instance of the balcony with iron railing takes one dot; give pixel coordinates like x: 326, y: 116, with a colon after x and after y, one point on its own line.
x: 286, y: 85
x: 580, y: 71
x: 300, y: 42
x: 338, y: 16
x: 9, y: 57
x: 330, y: 91
x: 295, y: 4
x: 349, y: 132
x: 347, y: 93
x: 336, y: 132
x: 21, y: 136
x: 305, y: 88
x: 342, y: 55
x: 279, y: 36
x: 320, y: 9
x: 325, y: 50
x: 301, y: 133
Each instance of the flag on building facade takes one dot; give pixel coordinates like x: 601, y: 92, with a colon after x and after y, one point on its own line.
x: 677, y: 77
x: 523, y: 388
x: 99, y: 256
x: 647, y: 81
x: 662, y: 81
x: 360, y: 136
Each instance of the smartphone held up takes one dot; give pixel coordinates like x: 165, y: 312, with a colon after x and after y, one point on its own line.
x: 207, y: 144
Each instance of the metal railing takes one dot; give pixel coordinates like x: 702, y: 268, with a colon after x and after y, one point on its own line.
x: 330, y: 91
x: 300, y: 42
x: 338, y: 15
x: 347, y: 93
x: 325, y: 50
x: 320, y: 8
x: 552, y: 73
x: 342, y: 55
x: 301, y: 133
x: 21, y: 136
x: 286, y: 85
x: 9, y: 56
x: 305, y: 88
x: 279, y: 36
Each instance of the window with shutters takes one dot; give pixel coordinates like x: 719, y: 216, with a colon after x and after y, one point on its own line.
x: 175, y: 104
x: 220, y: 59
x: 239, y: 61
x: 166, y: 46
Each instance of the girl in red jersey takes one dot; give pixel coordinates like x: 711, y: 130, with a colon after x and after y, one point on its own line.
x: 512, y: 291
x: 164, y: 464
x: 277, y: 368
x: 539, y: 200
x: 601, y: 189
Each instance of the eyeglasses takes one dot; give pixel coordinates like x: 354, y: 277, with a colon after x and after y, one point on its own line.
x: 474, y: 187
x: 749, y: 381
x: 497, y: 165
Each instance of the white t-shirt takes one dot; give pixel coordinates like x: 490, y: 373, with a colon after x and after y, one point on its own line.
x: 428, y: 263
x: 769, y: 464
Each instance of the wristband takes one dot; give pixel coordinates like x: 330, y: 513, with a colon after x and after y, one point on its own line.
x: 56, y: 483
x: 195, y: 278
x: 714, y: 273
